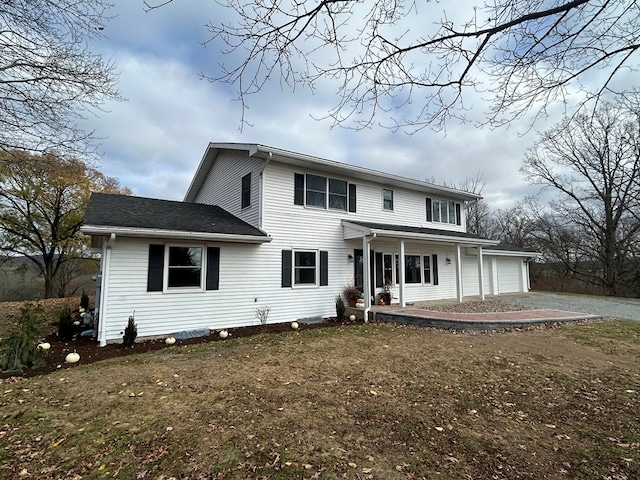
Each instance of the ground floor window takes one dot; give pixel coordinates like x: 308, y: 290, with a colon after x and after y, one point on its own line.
x: 412, y: 269
x: 182, y: 268
x: 185, y: 267
x: 426, y: 269
x: 304, y: 268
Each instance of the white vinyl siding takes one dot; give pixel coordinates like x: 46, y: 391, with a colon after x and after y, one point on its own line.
x: 223, y: 185
x: 250, y: 275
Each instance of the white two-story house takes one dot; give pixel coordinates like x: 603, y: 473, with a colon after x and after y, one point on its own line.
x: 262, y: 227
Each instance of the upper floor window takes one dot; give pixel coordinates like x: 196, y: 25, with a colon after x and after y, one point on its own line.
x: 387, y: 199
x: 337, y: 194
x: 246, y: 190
x: 443, y: 211
x: 318, y: 191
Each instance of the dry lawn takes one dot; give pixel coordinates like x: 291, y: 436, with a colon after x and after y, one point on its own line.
x: 361, y: 401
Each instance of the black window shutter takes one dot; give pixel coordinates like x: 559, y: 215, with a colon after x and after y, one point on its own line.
x: 213, y: 268
x: 352, y: 197
x: 298, y: 196
x: 379, y: 274
x: 286, y: 267
x: 429, y: 211
x: 324, y: 268
x: 434, y: 268
x: 155, y: 273
x: 458, y: 216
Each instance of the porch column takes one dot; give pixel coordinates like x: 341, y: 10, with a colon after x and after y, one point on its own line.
x: 459, y: 285
x: 401, y: 296
x: 366, y: 274
x: 480, y: 273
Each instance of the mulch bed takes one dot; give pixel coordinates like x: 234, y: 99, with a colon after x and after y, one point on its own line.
x: 90, y: 351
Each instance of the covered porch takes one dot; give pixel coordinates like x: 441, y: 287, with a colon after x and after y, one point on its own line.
x: 416, y: 261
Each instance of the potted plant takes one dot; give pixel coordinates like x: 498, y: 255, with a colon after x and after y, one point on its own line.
x: 385, y: 296
x: 352, y: 294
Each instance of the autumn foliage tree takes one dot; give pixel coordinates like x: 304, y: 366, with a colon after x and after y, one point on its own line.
x: 42, y: 203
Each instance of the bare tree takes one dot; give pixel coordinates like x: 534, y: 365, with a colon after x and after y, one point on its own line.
x: 416, y: 65
x: 477, y: 212
x: 592, y: 163
x: 49, y: 79
x: 514, y: 225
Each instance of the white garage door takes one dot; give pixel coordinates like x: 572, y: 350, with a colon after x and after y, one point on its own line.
x: 470, y: 285
x: 509, y: 275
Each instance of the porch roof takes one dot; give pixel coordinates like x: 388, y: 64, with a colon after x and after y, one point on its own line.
x: 355, y: 229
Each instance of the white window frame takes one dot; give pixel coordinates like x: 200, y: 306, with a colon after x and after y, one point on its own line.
x: 445, y: 211
x: 429, y: 259
x: 330, y: 194
x: 384, y: 207
x: 419, y: 255
x: 316, y: 268
x: 165, y: 273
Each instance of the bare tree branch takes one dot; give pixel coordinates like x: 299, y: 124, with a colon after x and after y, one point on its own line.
x: 393, y: 59
x: 49, y: 79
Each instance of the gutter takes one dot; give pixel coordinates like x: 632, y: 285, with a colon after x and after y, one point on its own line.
x: 173, y: 234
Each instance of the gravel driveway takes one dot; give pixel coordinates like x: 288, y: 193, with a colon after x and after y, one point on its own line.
x: 614, y: 307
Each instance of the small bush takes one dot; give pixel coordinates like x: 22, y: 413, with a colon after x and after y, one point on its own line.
x: 65, y: 325
x: 20, y: 347
x: 130, y: 333
x: 84, y: 300
x: 339, y: 308
x: 262, y: 314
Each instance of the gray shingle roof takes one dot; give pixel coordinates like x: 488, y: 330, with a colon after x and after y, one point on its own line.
x: 109, y: 210
x: 420, y: 230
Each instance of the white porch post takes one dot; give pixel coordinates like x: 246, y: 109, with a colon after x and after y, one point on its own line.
x: 366, y: 274
x: 480, y: 273
x: 401, y: 296
x: 459, y: 285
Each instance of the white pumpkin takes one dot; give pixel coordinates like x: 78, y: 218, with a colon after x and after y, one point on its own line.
x: 352, y: 317
x: 170, y: 340
x: 72, y: 357
x: 295, y: 325
x: 223, y: 334
x: 44, y: 345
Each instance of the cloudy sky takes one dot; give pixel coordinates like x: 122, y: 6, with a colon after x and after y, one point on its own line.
x: 154, y: 141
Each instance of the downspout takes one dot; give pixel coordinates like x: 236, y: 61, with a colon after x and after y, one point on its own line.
x: 104, y: 290
x: 262, y: 193
x: 527, y: 263
x: 366, y: 273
